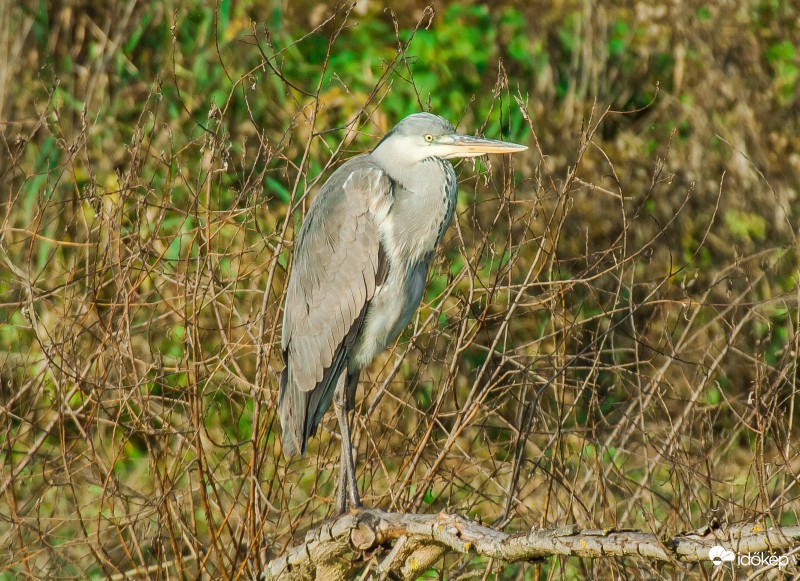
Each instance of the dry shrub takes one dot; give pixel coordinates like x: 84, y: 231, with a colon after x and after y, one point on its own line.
x: 610, y: 332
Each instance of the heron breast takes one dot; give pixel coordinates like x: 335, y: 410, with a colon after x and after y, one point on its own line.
x: 389, y: 311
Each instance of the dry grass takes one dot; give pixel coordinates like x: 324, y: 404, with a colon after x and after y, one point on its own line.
x: 610, y: 335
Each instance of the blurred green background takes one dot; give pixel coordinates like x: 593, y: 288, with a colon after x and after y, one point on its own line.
x: 627, y: 288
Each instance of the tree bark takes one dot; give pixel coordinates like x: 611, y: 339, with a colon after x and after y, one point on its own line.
x: 335, y: 548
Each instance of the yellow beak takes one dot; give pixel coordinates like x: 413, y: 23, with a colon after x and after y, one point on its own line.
x: 457, y: 145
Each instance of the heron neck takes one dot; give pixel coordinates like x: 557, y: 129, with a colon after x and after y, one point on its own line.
x: 424, y: 200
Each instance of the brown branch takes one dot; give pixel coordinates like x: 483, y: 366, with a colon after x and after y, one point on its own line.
x: 335, y: 548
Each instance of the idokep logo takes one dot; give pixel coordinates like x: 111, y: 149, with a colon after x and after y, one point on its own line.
x: 719, y: 555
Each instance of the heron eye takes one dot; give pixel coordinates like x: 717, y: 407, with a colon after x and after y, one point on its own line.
x: 429, y: 138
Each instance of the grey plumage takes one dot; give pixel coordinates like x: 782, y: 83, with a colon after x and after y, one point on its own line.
x: 325, y: 306
x: 360, y: 265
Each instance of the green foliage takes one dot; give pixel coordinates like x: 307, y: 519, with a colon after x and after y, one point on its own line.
x: 782, y: 56
x: 746, y: 226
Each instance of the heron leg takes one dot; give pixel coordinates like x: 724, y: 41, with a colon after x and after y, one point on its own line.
x: 341, y: 487
x: 348, y: 485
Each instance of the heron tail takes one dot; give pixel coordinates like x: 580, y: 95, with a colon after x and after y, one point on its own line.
x: 301, y: 411
x: 292, y: 407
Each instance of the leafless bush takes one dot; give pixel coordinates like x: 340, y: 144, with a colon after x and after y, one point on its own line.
x: 595, y: 348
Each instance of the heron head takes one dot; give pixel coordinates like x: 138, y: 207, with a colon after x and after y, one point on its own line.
x: 423, y: 135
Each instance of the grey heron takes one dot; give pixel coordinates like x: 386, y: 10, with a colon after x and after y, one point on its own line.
x: 359, y: 269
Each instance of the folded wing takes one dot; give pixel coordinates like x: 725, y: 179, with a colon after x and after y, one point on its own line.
x: 338, y: 261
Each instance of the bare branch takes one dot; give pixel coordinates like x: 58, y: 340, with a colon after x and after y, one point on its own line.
x: 337, y: 547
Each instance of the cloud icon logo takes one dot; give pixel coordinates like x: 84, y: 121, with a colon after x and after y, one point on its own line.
x: 720, y: 555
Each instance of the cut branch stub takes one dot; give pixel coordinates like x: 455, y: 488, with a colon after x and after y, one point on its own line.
x: 363, y: 536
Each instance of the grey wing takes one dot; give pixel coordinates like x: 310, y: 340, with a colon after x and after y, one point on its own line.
x: 337, y: 261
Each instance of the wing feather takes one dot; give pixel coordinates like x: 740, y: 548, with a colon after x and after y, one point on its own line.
x: 337, y: 261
